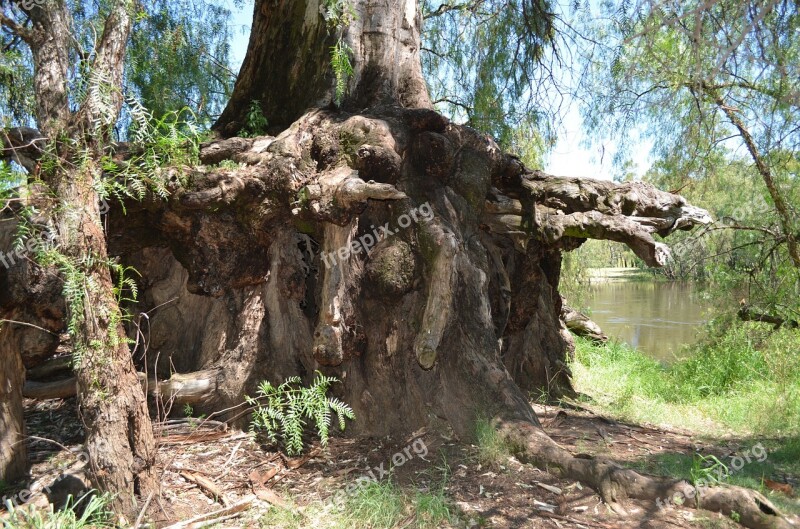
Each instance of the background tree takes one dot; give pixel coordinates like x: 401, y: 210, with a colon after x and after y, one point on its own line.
x: 177, y: 58
x: 119, y: 437
x: 715, y: 86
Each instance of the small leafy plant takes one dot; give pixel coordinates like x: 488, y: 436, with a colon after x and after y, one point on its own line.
x: 338, y: 14
x: 707, y: 470
x: 255, y: 122
x: 96, y: 514
x: 283, y: 412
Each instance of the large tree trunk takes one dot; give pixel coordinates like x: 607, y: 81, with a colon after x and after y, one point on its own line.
x: 287, y: 68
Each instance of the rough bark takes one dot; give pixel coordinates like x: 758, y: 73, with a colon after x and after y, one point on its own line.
x: 457, y: 290
x: 287, y: 66
x: 31, y: 312
x: 119, y: 437
x: 13, y: 453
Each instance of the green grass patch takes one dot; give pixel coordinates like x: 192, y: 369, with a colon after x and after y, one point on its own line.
x: 492, y: 450
x: 374, y: 505
x: 745, y: 378
x: 95, y: 514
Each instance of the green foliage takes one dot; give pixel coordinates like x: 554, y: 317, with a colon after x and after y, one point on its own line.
x: 178, y: 57
x: 483, y: 62
x: 338, y: 14
x: 16, y: 83
x: 376, y: 505
x: 284, y: 411
x: 78, y: 284
x: 492, y: 450
x: 379, y: 505
x: 96, y: 515
x: 744, y: 377
x: 10, y: 181
x: 707, y: 470
x: 670, y: 74
x: 255, y: 123
x: 170, y: 141
x: 743, y: 255
x: 342, y: 67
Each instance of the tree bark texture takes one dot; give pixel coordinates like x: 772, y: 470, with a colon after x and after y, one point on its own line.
x: 119, y: 437
x: 287, y: 68
x: 13, y: 452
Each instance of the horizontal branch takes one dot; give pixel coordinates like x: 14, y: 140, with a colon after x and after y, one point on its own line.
x: 584, y: 208
x: 189, y: 388
x: 23, y: 145
x: 747, y: 314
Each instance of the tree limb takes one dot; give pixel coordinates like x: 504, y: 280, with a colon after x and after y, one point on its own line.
x: 16, y: 28
x: 763, y: 169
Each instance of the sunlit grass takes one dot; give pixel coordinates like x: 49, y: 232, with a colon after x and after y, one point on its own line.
x: 491, y: 449
x: 93, y: 512
x: 746, y: 381
x: 375, y: 505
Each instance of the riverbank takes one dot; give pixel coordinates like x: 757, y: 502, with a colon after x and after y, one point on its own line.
x: 620, y: 274
x: 744, y: 378
x: 743, y: 383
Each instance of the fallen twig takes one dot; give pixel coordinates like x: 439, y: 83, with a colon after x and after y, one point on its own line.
x: 139, y: 518
x: 214, y: 516
x: 206, y: 485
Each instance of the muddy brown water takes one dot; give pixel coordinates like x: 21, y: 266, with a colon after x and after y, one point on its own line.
x: 657, y: 317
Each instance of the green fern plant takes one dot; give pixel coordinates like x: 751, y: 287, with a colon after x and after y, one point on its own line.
x: 172, y: 140
x: 342, y: 67
x: 283, y: 412
x: 338, y: 14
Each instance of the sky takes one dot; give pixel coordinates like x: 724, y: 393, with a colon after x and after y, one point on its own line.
x: 570, y: 156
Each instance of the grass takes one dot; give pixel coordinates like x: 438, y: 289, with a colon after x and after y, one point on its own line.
x: 376, y: 505
x: 743, y: 379
x: 96, y: 515
x: 492, y: 450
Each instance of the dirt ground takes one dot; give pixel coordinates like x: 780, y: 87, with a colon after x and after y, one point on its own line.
x: 206, y: 468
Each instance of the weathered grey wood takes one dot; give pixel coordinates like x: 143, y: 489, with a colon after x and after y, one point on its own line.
x: 581, y: 324
x: 187, y: 388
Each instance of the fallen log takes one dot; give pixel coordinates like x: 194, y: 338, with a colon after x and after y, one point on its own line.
x: 50, y: 369
x: 187, y: 388
x: 581, y: 324
x: 748, y: 314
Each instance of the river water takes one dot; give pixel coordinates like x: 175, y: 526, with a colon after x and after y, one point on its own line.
x: 657, y: 317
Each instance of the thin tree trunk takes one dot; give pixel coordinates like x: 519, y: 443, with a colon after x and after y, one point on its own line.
x: 784, y: 215
x: 13, y: 453
x: 119, y: 437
